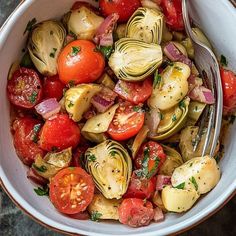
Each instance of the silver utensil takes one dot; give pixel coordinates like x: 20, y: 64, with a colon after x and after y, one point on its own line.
x: 208, y: 67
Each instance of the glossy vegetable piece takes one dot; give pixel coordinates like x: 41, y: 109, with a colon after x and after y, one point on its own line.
x: 187, y: 43
x: 82, y: 23
x: 110, y: 166
x: 200, y: 173
x: 134, y: 60
x: 173, y: 120
x: 108, y: 208
x: 45, y: 43
x: 201, y: 37
x: 173, y: 160
x: 106, y: 80
x: 77, y: 99
x: 14, y: 67
x: 178, y: 200
x: 48, y: 166
x: 145, y: 25
x: 93, y: 137
x: 171, y: 87
x: 195, y: 110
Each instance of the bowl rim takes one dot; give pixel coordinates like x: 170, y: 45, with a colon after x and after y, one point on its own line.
x: 181, y: 227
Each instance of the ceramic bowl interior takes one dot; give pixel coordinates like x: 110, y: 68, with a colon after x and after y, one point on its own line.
x: 217, y: 19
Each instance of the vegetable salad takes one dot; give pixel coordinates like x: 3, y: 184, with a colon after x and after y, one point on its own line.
x: 105, y: 111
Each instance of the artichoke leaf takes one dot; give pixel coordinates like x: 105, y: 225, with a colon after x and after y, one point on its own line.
x: 45, y: 43
x: 146, y: 25
x: 77, y: 99
x: 48, y: 166
x: 110, y: 166
x: 93, y: 137
x: 134, y: 60
x: 106, y: 80
x: 201, y: 37
x: 194, y: 112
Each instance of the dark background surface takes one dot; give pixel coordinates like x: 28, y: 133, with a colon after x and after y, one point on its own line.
x: 15, y: 223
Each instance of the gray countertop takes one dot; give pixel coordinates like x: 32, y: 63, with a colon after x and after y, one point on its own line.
x: 13, y: 222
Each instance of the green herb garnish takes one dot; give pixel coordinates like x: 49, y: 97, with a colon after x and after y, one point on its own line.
x: 182, y: 104
x: 95, y: 215
x: 178, y: 68
x: 30, y: 25
x: 174, y: 118
x: 75, y: 51
x: 42, y: 191
x: 223, y: 60
x: 193, y: 181
x: 52, y: 54
x: 92, y: 158
x: 180, y: 186
x: 70, y: 104
x: 40, y: 169
x: 113, y: 153
x: 33, y: 97
x: 157, y: 79
x: 106, y: 51
x: 136, y: 108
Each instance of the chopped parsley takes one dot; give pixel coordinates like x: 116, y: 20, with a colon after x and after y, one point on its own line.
x: 182, y: 104
x: 75, y: 51
x: 42, y: 191
x: 174, y: 118
x: 113, y: 153
x: 72, y: 34
x: 223, y: 60
x: 33, y: 97
x: 193, y: 181
x: 30, y: 25
x: 70, y: 104
x: 40, y: 169
x: 95, y: 216
x: 53, y: 53
x: 178, y: 68
x: 71, y: 168
x: 180, y: 186
x: 35, y: 134
x: 157, y: 79
x: 137, y: 108
x: 92, y: 158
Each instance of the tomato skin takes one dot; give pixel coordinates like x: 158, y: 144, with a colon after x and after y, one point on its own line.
x: 25, y: 88
x: 172, y: 10
x: 140, y: 187
x: 59, y: 132
x: 24, y: 140
x: 71, y: 190
x: 228, y: 79
x: 135, y: 212
x: 53, y: 87
x: 155, y: 154
x: 124, y: 8
x: 85, y: 66
x: 126, y: 123
x: 136, y: 92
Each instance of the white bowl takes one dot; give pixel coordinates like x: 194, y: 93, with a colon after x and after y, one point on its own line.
x: 217, y: 19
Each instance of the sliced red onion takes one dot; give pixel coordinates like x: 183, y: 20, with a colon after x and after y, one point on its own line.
x: 104, y: 36
x: 194, y: 81
x: 152, y: 120
x: 48, y: 108
x: 162, y: 181
x: 174, y: 54
x: 202, y: 94
x: 37, y: 179
x: 158, y: 215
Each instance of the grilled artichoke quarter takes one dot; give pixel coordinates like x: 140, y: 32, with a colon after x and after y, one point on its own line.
x: 145, y: 25
x: 110, y: 166
x: 45, y: 43
x: 134, y: 60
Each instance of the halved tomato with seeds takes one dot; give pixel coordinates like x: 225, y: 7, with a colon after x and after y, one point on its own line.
x: 127, y: 122
x: 71, y: 190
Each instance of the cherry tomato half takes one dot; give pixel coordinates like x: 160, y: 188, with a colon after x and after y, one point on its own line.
x: 172, y: 10
x: 135, y: 212
x: 137, y: 92
x: 25, y: 139
x: 228, y: 79
x: 58, y: 133
x: 140, y: 187
x: 150, y: 158
x: 124, y: 8
x: 80, y: 62
x: 71, y: 190
x: 53, y: 87
x: 24, y: 88
x: 127, y: 122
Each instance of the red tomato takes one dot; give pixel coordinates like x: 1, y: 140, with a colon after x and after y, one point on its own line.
x: 137, y: 92
x: 59, y: 132
x: 228, y: 79
x: 53, y: 87
x: 25, y: 139
x: 150, y: 158
x: 127, y: 122
x: 80, y: 62
x: 24, y: 88
x: 172, y: 10
x: 77, y: 5
x: 71, y: 190
x: 124, y: 8
x: 135, y: 212
x: 140, y: 187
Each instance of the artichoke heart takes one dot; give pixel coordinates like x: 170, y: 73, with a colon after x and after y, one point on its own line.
x: 195, y: 110
x: 172, y: 120
x: 110, y: 166
x: 77, y: 99
x: 134, y: 60
x: 173, y: 160
x: 48, y: 166
x: 45, y: 43
x: 82, y: 23
x: 145, y: 25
